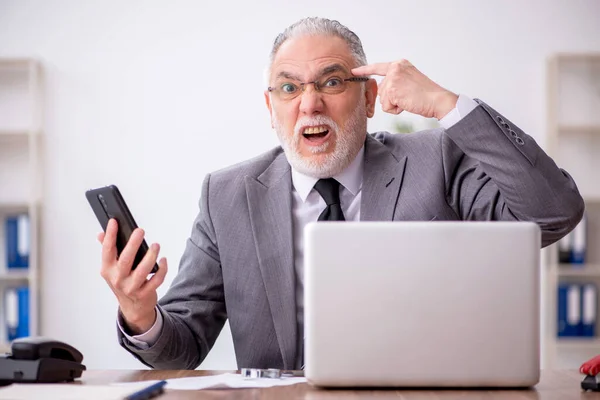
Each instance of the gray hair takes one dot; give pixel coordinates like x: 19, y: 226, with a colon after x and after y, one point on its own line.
x: 313, y: 26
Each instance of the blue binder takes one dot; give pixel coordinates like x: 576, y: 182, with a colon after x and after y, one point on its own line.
x: 23, y: 298
x: 565, y: 247
x: 579, y: 244
x: 569, y: 310
x: 11, y: 313
x: 12, y: 253
x: 589, y: 301
x: 17, y: 241
x: 16, y: 312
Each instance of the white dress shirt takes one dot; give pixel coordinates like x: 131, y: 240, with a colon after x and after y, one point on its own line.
x: 307, y: 205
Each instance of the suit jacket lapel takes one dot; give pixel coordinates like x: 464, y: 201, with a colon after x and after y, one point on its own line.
x: 270, y: 206
x: 382, y: 179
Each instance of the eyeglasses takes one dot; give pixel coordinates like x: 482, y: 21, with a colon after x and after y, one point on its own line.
x: 327, y: 85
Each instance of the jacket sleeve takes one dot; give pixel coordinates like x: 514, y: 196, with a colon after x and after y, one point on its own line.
x: 193, y: 309
x: 495, y: 171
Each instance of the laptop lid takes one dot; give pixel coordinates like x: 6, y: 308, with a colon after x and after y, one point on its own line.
x: 422, y: 304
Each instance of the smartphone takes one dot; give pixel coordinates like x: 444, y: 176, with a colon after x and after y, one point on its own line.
x: 108, y: 203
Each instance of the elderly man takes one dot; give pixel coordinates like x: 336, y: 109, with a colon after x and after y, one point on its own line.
x: 243, y: 260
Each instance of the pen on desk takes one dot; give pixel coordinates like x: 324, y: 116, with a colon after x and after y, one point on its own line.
x: 148, y: 392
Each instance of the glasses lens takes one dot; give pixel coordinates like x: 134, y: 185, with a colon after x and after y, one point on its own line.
x: 332, y: 85
x: 287, y: 90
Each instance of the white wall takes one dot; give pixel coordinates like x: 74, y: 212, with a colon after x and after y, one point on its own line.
x: 153, y: 95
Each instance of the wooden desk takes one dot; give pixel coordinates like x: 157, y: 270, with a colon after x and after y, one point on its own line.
x: 556, y: 385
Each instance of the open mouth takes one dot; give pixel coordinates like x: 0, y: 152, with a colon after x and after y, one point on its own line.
x: 315, y: 134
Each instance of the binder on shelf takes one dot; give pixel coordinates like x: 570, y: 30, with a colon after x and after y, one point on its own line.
x: 11, y: 313
x: 23, y: 297
x: 589, y: 301
x: 16, y: 312
x: 17, y: 241
x: 579, y: 242
x: 569, y: 310
x: 564, y: 248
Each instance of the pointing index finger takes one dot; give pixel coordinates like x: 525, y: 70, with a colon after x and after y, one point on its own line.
x: 372, y: 69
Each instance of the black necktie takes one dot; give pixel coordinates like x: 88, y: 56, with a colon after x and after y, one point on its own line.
x: 329, y: 189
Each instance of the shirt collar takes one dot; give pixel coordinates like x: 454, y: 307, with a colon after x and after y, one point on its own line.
x: 351, y: 177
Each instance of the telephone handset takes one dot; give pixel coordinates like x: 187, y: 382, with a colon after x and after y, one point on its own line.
x: 40, y: 359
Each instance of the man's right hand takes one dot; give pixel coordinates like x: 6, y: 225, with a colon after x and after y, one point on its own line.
x: 135, y: 292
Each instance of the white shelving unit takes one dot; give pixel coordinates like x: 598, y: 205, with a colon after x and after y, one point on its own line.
x: 20, y: 176
x: 574, y: 143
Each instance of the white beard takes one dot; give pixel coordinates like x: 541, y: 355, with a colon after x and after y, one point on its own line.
x: 347, y: 144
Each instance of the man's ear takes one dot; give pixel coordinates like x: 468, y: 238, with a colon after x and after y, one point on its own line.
x: 269, y: 106
x: 371, y: 96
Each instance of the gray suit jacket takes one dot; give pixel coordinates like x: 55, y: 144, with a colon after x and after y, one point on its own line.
x: 238, y: 262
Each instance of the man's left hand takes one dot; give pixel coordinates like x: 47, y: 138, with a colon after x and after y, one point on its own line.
x: 404, y: 87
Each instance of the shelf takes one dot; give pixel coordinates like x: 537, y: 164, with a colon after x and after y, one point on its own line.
x: 574, y: 343
x: 10, y: 137
x: 14, y: 276
x: 18, y: 134
x: 15, y: 62
x: 573, y: 129
x: 577, y: 270
x: 14, y: 132
x: 573, y: 137
x: 13, y: 206
x: 565, y: 56
x: 21, y: 174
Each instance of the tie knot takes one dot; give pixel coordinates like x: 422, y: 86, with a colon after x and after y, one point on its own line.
x: 329, y: 189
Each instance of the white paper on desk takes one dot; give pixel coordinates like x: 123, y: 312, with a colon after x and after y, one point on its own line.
x: 225, y: 381
x: 68, y: 391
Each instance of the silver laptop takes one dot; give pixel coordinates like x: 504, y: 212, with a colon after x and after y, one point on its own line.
x: 422, y: 304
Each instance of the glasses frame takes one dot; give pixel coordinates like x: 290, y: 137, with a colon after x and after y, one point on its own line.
x: 303, y: 85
